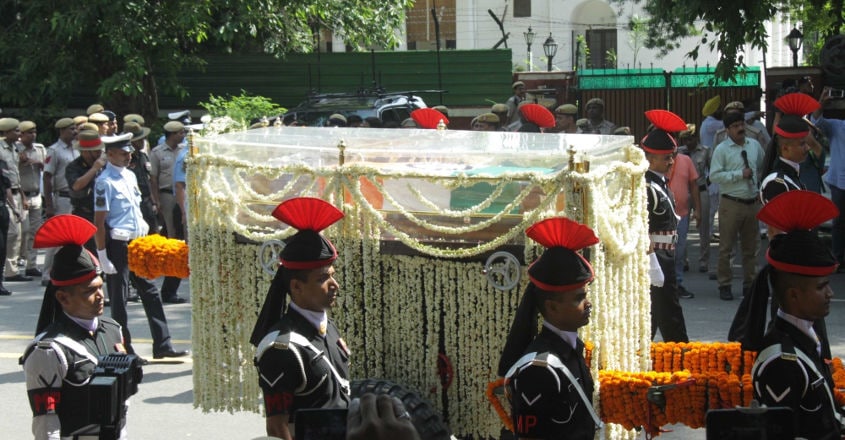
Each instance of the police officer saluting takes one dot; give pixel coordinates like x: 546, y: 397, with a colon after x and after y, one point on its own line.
x: 791, y: 370
x: 302, y: 361
x: 547, y: 380
x: 71, y: 332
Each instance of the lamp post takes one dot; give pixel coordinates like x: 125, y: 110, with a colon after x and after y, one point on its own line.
x: 529, y: 38
x: 794, y: 39
x: 550, y: 49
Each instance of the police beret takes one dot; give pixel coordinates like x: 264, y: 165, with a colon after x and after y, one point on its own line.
x: 26, y: 126
x: 88, y: 140
x: 134, y: 117
x: 174, y: 127
x: 64, y: 123
x: 596, y: 101
x: 337, y: 117
x: 518, y: 84
x: 735, y: 105
x: 499, y: 108
x: 7, y: 124
x: 488, y: 118
x: 94, y: 108
x: 89, y: 126
x: 98, y: 118
x: 566, y: 109
x: 80, y: 120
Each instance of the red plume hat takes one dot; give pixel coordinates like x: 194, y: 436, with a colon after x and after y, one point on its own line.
x: 307, y: 249
x: 561, y: 267
x: 660, y: 140
x: 799, y: 250
x: 794, y: 106
x: 537, y: 114
x: 428, y: 117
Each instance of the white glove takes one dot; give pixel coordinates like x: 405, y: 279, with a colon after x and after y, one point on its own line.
x: 654, y: 271
x: 105, y: 264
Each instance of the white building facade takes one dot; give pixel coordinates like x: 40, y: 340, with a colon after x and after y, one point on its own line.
x: 602, y: 26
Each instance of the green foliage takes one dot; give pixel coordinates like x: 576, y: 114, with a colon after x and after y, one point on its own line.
x: 729, y: 25
x: 637, y: 34
x: 242, y: 108
x: 129, y: 50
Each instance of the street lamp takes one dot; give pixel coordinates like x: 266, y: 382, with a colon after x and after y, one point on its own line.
x: 795, y: 38
x: 529, y: 38
x: 550, y: 49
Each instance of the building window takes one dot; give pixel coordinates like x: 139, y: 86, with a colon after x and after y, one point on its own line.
x: 602, y: 44
x: 521, y: 8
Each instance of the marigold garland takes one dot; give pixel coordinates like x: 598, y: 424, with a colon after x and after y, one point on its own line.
x: 154, y: 256
x: 704, y: 376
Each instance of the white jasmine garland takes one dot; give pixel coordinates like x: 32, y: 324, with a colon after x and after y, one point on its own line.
x: 394, y: 310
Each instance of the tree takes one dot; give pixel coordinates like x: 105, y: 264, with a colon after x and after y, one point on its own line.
x: 727, y: 26
x: 130, y: 50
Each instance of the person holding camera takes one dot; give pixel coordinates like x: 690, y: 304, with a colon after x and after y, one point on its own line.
x: 71, y: 333
x: 547, y: 380
x: 302, y: 361
x: 834, y: 130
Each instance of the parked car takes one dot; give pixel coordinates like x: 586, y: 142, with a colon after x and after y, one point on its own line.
x: 389, y: 107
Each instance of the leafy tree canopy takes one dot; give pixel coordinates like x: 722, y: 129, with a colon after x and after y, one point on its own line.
x: 129, y: 50
x: 727, y: 26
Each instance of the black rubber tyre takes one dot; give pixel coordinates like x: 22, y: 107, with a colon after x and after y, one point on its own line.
x: 425, y: 418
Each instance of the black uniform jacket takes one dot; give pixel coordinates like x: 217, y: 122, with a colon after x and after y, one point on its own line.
x: 544, y: 402
x: 783, y: 178
x: 67, y: 396
x: 661, y: 205
x: 293, y: 377
x: 788, y: 381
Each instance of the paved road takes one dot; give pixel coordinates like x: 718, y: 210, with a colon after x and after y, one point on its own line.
x: 163, y: 407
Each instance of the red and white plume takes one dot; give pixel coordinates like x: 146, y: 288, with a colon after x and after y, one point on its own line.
x: 797, y: 210
x: 307, y: 213
x: 63, y: 230
x: 562, y: 232
x: 666, y: 121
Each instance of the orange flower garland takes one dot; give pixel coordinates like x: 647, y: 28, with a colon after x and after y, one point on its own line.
x: 155, y: 255
x: 696, y: 377
x: 497, y: 404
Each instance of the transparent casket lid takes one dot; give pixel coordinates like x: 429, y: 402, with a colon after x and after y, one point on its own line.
x: 415, y: 177
x: 438, y: 153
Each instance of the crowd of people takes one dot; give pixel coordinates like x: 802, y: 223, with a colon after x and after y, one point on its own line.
x: 118, y: 192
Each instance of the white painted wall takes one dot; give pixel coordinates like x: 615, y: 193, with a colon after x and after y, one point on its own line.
x: 477, y: 30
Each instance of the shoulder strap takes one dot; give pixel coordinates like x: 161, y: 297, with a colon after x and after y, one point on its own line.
x: 300, y: 340
x: 777, y: 350
x: 549, y: 359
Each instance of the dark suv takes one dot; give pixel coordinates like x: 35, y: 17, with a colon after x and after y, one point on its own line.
x: 389, y: 107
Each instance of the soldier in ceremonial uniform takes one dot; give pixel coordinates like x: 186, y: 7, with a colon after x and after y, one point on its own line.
x: 660, y: 147
x: 788, y: 148
x: 546, y: 378
x: 71, y: 332
x: 117, y: 215
x: 792, y: 369
x: 302, y: 361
